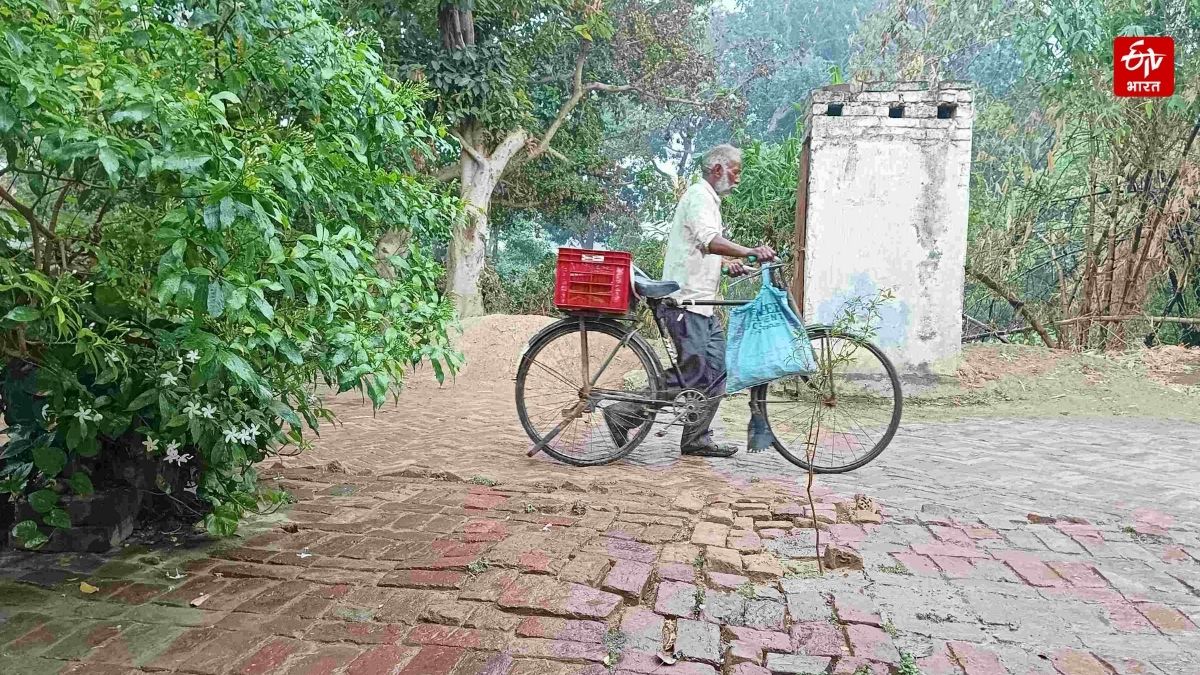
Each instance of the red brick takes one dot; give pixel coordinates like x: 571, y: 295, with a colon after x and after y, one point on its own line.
x: 484, y: 500
x: 1081, y: 532
x: 433, y: 661
x: 383, y: 660
x: 920, y: 565
x: 955, y: 568
x: 1075, y: 662
x: 572, y: 601
x: 952, y: 535
x: 938, y: 663
x: 1166, y: 619
x: 981, y: 533
x: 438, y: 579
x: 561, y: 650
x: 326, y: 661
x: 976, y: 660
x: 1031, y: 570
x: 771, y: 641
x: 487, y: 586
x: 135, y: 593
x: 562, y: 629
x: 484, y: 530
x: 451, y: 636
x: 1078, y: 574
x: 269, y: 657
x: 677, y: 572
x: 359, y: 633
x: 628, y: 578
x: 872, y: 643
x: 950, y: 550
x: 819, y: 638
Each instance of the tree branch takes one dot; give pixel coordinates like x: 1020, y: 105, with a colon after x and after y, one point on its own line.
x: 470, y: 149
x: 25, y: 211
x: 1016, y: 303
x: 568, y: 106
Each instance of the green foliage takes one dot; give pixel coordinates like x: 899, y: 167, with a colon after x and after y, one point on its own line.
x: 194, y: 198
x: 763, y: 207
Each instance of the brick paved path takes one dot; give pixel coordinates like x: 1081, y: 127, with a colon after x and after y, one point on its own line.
x: 1000, y: 551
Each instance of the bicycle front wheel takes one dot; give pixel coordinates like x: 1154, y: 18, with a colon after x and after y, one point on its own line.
x: 842, y: 415
x: 551, y: 396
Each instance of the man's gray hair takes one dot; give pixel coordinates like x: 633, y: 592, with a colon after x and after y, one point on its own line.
x: 724, y: 154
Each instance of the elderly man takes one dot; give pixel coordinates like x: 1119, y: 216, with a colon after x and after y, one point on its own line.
x: 694, y: 260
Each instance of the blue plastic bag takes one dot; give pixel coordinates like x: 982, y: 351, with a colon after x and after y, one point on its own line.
x: 766, y: 341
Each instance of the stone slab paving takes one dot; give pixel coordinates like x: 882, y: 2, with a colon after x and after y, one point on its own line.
x: 423, y: 542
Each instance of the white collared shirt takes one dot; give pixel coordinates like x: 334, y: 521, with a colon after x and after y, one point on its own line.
x: 697, y: 222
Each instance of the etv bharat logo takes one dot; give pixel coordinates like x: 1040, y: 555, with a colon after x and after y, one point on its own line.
x: 1144, y: 66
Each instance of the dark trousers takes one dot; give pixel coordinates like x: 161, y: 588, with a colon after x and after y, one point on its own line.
x: 699, y: 364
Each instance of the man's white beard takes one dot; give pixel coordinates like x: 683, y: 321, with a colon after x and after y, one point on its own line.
x: 723, y: 186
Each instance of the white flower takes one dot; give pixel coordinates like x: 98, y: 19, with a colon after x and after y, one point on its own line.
x: 46, y: 412
x: 173, y: 448
x: 87, y: 415
x: 243, y: 437
x: 232, y: 435
x: 251, y: 431
x: 179, y: 362
x: 190, y: 487
x: 168, y: 379
x: 192, y: 356
x: 174, y: 457
x: 150, y: 444
x: 207, y: 411
x: 192, y: 409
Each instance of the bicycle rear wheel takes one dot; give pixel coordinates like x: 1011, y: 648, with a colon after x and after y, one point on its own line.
x: 842, y: 415
x: 550, y: 390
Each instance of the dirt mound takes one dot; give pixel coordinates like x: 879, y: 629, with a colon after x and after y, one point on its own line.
x: 491, y: 345
x: 1171, y: 365
x: 987, y: 363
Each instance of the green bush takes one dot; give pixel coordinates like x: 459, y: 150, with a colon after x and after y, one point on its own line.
x: 192, y: 200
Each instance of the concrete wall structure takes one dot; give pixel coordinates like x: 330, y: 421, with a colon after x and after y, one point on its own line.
x: 883, y: 204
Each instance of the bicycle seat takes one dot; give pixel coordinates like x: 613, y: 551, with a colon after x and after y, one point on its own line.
x: 650, y: 288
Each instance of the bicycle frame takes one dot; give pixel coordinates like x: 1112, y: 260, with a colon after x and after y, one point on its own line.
x: 588, y: 395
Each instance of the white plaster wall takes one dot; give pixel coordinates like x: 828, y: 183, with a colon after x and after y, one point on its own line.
x: 887, y: 208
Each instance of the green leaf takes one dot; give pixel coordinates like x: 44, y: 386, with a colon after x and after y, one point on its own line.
x: 58, y: 518
x: 238, y: 366
x: 81, y: 484
x: 185, y: 162
x: 168, y: 288
x: 143, y: 399
x: 219, y: 99
x: 8, y: 116
x: 263, y: 306
x: 29, y: 535
x: 43, y: 501
x: 22, y: 314
x: 284, y: 412
x: 112, y: 164
x: 216, y: 299
x: 50, y: 461
x: 134, y: 113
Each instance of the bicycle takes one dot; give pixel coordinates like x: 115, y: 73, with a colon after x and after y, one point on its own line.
x: 633, y: 373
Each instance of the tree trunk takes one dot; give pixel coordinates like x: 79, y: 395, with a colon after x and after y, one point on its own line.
x: 468, y: 247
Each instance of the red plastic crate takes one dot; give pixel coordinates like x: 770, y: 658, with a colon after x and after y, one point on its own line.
x: 590, y: 280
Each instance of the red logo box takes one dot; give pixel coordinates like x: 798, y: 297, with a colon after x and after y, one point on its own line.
x: 1144, y: 67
